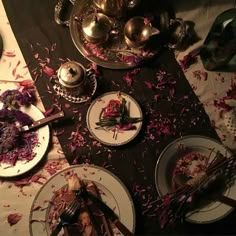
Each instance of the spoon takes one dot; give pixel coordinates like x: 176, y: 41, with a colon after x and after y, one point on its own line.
x: 181, y: 180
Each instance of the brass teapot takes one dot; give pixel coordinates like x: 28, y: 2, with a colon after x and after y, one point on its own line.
x: 115, y: 8
x: 96, y: 28
x: 137, y: 32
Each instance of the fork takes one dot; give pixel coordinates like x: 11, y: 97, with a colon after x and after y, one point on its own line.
x: 67, y: 216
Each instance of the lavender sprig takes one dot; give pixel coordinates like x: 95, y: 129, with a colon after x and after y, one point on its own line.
x: 9, y: 135
x: 13, y: 115
x: 15, y: 98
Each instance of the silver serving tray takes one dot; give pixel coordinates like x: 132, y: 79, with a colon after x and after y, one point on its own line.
x: 110, y: 52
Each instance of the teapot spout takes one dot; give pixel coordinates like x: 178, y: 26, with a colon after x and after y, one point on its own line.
x: 154, y: 31
x: 133, y: 3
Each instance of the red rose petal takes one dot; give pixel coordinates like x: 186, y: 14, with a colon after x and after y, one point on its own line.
x: 14, y: 218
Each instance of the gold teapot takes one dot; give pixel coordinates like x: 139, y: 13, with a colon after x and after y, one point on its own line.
x: 96, y: 28
x: 137, y: 32
x: 115, y: 8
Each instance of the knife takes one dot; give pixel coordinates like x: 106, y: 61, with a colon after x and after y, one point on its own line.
x: 106, y: 210
x: 223, y: 199
x: 42, y: 122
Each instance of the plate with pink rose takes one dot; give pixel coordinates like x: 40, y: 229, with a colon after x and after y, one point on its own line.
x: 114, y: 118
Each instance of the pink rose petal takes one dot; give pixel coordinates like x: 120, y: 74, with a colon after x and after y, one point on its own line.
x: 14, y: 218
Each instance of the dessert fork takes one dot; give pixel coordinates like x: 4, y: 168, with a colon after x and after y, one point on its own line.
x: 68, y: 216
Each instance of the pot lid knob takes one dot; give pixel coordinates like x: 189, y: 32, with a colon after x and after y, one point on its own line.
x: 71, y: 73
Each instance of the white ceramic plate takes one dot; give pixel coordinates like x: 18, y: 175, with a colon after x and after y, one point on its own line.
x: 211, y: 212
x: 107, y: 137
x: 43, y: 133
x: 116, y: 196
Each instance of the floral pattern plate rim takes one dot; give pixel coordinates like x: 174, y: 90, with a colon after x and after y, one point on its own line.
x: 43, y: 133
x: 115, y: 195
x: 105, y: 136
x: 211, y: 212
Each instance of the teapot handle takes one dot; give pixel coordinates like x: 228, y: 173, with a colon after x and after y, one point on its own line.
x: 58, y: 10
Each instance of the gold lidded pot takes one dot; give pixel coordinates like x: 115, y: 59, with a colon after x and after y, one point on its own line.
x: 72, y: 77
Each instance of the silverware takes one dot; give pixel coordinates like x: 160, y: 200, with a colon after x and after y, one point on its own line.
x: 223, y: 199
x: 105, y: 209
x: 42, y: 122
x: 67, y: 216
x: 181, y: 180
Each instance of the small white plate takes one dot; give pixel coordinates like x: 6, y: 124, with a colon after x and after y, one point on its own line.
x: 211, y: 212
x: 115, y: 195
x: 107, y: 137
x: 43, y: 134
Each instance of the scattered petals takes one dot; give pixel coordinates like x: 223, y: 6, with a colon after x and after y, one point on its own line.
x: 49, y: 71
x: 14, y: 218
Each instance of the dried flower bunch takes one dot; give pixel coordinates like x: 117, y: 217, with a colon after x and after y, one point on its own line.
x: 199, y: 181
x: 15, y: 145
x: 15, y: 98
x: 116, y: 116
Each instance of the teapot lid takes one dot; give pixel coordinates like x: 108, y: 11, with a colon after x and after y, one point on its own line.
x: 70, y: 74
x: 96, y: 26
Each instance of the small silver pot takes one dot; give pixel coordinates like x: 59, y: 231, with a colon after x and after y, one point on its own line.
x: 72, y: 76
x: 96, y: 28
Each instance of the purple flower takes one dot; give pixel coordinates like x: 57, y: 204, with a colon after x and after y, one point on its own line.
x: 22, y: 117
x: 15, y: 98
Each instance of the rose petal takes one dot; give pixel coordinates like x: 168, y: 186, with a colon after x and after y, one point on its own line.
x: 14, y: 218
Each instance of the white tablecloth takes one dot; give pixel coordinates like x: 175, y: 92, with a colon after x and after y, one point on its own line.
x: 202, y: 14
x: 19, y: 200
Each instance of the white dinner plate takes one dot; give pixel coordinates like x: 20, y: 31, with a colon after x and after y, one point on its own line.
x: 115, y: 195
x: 43, y: 134
x: 107, y: 137
x: 208, y: 213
